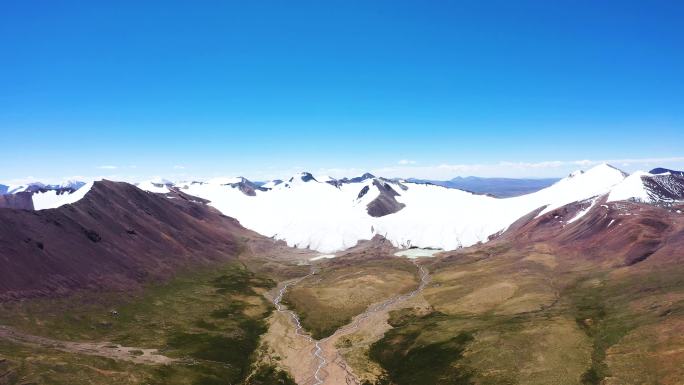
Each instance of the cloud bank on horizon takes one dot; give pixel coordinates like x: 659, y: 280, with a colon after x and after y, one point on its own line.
x: 402, y: 169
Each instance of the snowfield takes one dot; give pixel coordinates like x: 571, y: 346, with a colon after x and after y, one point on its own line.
x: 318, y: 215
x: 52, y: 199
x: 305, y: 214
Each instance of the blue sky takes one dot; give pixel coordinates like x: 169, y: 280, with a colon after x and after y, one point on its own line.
x: 404, y: 88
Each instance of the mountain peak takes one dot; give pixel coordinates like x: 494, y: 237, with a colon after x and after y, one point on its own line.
x: 603, y: 169
x: 358, y: 179
x: 608, y: 167
x: 304, y: 176
x: 307, y: 176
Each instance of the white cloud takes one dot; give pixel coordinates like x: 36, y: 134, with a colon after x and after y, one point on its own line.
x: 406, y: 161
x: 19, y: 181
x: 437, y: 171
x: 179, y: 167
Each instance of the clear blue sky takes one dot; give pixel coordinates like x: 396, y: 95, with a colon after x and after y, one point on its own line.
x: 256, y: 87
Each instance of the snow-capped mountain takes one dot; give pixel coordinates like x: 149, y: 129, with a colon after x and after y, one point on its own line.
x: 66, y: 186
x: 28, y: 187
x: 329, y: 214
x: 39, y: 196
x: 53, y: 198
x: 649, y: 187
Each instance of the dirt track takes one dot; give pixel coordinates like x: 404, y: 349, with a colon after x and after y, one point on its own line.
x: 101, y: 349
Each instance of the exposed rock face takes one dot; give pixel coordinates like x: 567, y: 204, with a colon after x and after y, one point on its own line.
x: 358, y: 179
x: 385, y: 203
x: 248, y: 187
x: 20, y: 200
x: 116, y: 237
x: 305, y: 176
x: 363, y: 192
x: 665, y: 187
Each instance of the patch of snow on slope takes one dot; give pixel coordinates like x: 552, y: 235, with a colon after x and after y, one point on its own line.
x: 51, y: 199
x: 153, y: 186
x: 631, y: 187
x: 583, y: 212
x: 323, y: 256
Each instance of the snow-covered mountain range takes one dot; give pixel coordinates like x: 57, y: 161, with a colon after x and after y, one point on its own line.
x: 41, y: 196
x: 329, y: 214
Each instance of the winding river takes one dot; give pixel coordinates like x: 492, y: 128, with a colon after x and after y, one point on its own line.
x: 317, y: 351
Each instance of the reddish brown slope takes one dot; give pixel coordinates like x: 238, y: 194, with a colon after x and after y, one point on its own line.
x: 114, y: 238
x: 22, y: 200
x: 612, y: 234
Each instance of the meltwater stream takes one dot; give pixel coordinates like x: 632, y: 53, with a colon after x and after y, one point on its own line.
x: 317, y: 352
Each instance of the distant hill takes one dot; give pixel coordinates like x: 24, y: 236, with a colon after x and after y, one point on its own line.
x: 661, y: 170
x: 499, y: 187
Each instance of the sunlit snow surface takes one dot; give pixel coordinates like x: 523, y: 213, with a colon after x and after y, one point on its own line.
x: 324, y: 256
x: 153, y: 186
x: 631, y: 187
x: 51, y: 199
x: 304, y: 214
x: 583, y: 212
x: 326, y: 218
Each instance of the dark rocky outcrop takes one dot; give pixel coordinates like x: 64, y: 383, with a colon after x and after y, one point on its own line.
x: 386, y: 202
x: 305, y: 176
x: 363, y: 192
x: 247, y: 187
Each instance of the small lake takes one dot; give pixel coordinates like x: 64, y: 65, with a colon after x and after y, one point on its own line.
x: 417, y: 253
x: 324, y: 256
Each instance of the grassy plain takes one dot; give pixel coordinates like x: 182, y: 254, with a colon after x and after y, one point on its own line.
x: 503, y: 316
x: 209, y: 321
x: 340, y: 291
